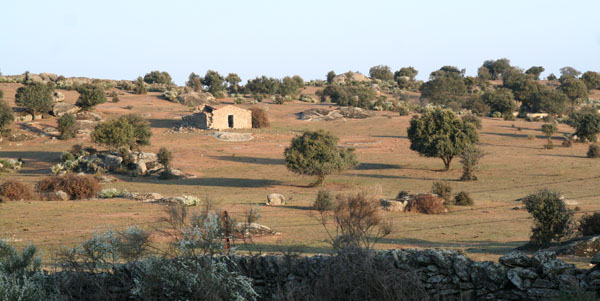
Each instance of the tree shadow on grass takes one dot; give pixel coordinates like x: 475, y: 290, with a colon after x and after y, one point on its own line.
x: 377, y: 166
x: 215, y: 182
x: 398, y: 177
x: 282, y: 249
x: 566, y: 156
x: 389, y: 136
x: 486, y: 246
x: 521, y: 136
x: 253, y: 160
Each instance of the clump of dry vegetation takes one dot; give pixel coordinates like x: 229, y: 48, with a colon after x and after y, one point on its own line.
x: 427, y: 204
x: 13, y: 190
x: 77, y: 187
x: 259, y: 118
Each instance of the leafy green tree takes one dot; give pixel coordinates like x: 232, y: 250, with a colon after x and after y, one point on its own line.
x: 194, y: 82
x: 140, y: 86
x: 330, y: 77
x: 477, y: 105
x: 214, y: 83
x: 317, y: 154
x: 127, y: 131
x: 351, y: 95
x: 441, y: 133
x: 500, y: 100
x: 35, y: 98
x: 569, y: 72
x: 233, y: 81
x: 497, y: 68
x: 290, y: 85
x: 381, y: 72
x: 405, y: 77
x: 263, y: 85
x: 7, y: 115
x: 552, y: 101
x: 67, y: 126
x: 552, y: 219
x: 549, y: 129
x: 158, y: 78
x: 575, y: 89
x: 444, y: 86
x: 483, y: 73
x: 591, y: 79
x: 586, y: 124
x: 551, y: 77
x: 535, y: 72
x: 90, y: 96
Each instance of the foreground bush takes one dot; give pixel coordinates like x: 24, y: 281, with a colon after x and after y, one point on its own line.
x: 552, y: 219
x: 593, y: 151
x: 77, y: 187
x: 259, y: 118
x: 13, y: 190
x: 590, y: 224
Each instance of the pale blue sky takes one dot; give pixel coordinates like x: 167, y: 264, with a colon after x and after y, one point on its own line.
x: 125, y: 39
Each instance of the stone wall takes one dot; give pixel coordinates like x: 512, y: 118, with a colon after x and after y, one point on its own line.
x: 242, y: 118
x: 446, y: 274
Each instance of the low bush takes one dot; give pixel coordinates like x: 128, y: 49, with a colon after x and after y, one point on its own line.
x: 67, y: 126
x: 110, y: 193
x: 590, y: 224
x: 259, y: 118
x: 593, y: 151
x: 76, y: 186
x: 164, y: 157
x: 324, y: 201
x: 13, y: 190
x: 463, y: 199
x: 442, y: 189
x: 552, y: 219
x: 427, y: 204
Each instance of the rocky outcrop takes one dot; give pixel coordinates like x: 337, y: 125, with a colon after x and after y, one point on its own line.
x: 193, y: 98
x: 62, y: 108
x: 318, y: 114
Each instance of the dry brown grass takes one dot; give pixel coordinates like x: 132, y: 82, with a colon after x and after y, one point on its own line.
x: 240, y: 174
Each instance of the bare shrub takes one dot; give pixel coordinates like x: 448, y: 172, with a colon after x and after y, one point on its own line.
x: 259, y: 118
x: 13, y: 190
x: 426, y: 203
x: 76, y: 186
x: 442, y: 189
x: 358, y: 222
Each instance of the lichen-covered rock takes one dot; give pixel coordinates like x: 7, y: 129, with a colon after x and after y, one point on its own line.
x: 515, y: 259
x: 58, y: 96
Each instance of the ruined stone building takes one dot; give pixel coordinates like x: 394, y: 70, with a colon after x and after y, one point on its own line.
x: 220, y: 118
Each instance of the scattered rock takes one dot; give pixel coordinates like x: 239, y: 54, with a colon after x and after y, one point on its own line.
x: 62, y: 108
x: 61, y: 196
x: 254, y: 229
x: 275, y: 199
x: 85, y: 127
x: 104, y: 179
x: 144, y: 197
x: 584, y: 247
x: 326, y: 115
x: 112, y: 162
x: 393, y: 205
x: 193, y: 98
x: 87, y: 115
x: 58, y: 97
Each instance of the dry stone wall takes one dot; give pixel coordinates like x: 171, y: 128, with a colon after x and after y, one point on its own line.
x: 446, y: 274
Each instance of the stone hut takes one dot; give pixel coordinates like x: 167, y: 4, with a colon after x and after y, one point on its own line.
x: 220, y: 118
